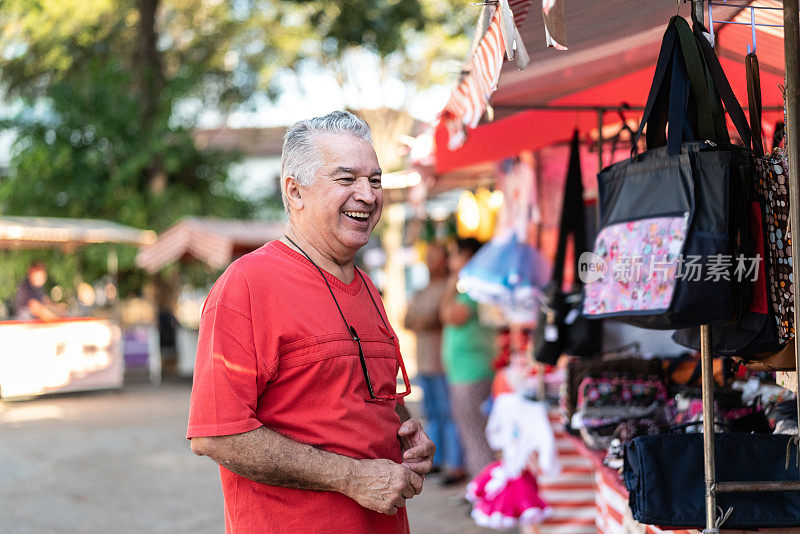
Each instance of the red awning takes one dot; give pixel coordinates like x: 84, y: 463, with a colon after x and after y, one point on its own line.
x: 603, y: 67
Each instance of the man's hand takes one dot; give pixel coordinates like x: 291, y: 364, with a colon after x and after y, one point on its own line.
x: 416, y: 446
x: 382, y: 485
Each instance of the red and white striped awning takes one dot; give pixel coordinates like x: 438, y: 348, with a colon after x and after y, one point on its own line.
x: 479, y: 80
x: 468, y: 101
x: 212, y: 241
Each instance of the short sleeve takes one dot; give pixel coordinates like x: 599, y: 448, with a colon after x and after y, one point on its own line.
x: 228, y: 378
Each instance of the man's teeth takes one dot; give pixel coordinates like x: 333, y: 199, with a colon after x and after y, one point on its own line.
x: 357, y: 214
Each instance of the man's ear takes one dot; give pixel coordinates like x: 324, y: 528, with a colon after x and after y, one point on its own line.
x: 293, y: 193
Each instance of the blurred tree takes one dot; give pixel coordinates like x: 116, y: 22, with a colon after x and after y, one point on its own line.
x: 385, y: 50
x: 100, y: 132
x: 108, y: 91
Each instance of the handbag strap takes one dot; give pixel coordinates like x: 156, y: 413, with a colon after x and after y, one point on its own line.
x: 676, y: 45
x: 722, y: 85
x: 754, y: 100
x: 657, y: 88
x: 680, y: 129
x: 573, y: 216
x: 701, y: 88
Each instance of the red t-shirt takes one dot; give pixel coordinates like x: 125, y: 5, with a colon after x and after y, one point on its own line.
x: 274, y: 351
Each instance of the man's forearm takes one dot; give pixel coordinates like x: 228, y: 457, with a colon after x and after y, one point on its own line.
x: 265, y: 456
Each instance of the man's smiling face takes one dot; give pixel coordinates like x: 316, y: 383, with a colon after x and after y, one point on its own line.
x: 345, y: 201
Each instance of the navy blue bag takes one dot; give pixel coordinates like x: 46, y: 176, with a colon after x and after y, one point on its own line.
x: 664, y: 476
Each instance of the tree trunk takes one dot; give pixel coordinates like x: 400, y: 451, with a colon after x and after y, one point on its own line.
x: 150, y: 83
x: 148, y: 60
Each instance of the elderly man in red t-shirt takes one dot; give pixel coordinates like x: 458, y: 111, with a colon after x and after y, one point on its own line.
x: 296, y: 375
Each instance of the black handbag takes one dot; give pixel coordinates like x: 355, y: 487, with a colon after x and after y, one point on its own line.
x: 665, y: 481
x: 560, y: 327
x: 683, y: 199
x: 755, y: 334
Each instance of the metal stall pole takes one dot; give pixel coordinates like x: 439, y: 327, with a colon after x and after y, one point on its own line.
x: 791, y: 48
x: 708, y: 430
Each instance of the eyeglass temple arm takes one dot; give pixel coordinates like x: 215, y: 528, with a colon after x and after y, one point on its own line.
x: 363, y: 361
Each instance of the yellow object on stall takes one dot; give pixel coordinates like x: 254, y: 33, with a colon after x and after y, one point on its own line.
x: 477, y: 213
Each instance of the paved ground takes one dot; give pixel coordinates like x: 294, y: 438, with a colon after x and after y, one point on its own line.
x: 118, y: 463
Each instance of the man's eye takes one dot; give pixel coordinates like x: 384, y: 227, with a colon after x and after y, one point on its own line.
x: 376, y: 182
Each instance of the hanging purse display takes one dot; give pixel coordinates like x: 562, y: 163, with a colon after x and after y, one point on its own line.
x: 560, y: 328
x: 680, y: 200
x: 755, y: 335
x: 772, y: 189
x: 578, y: 370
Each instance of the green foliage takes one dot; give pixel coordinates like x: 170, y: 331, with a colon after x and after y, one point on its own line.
x: 104, y: 129
x: 83, y: 146
x: 419, y: 42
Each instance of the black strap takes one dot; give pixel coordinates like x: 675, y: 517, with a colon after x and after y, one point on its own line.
x: 754, y: 100
x: 657, y: 88
x: 696, y: 73
x: 677, y: 45
x: 350, y: 329
x: 721, y: 134
x: 679, y: 128
x: 722, y: 85
x: 573, y: 215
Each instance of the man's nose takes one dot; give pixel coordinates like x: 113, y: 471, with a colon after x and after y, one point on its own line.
x: 364, y: 191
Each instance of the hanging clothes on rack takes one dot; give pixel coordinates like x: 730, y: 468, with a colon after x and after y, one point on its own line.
x: 555, y: 24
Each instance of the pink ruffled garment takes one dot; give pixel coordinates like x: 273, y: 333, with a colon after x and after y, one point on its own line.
x: 501, y: 500
x: 505, y: 493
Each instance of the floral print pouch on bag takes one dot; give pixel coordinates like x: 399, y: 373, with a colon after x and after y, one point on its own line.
x: 646, y: 281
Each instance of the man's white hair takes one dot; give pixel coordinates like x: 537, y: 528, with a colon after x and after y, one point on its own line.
x: 300, y: 157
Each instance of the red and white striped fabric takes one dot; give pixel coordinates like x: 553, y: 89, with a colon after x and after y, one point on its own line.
x: 614, y: 514
x: 468, y: 101
x: 586, y: 499
x: 571, y: 493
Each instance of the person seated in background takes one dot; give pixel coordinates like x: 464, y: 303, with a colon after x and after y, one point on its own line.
x: 30, y: 301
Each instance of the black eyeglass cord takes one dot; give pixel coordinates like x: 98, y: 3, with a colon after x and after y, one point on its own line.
x: 325, y: 278
x: 350, y: 329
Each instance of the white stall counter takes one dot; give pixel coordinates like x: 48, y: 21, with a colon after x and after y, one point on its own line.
x: 40, y: 357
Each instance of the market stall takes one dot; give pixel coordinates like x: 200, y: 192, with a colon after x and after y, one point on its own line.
x: 214, y: 242
x: 65, y: 354
x: 608, y: 55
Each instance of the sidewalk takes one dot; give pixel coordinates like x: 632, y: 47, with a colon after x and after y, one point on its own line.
x: 118, y: 463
